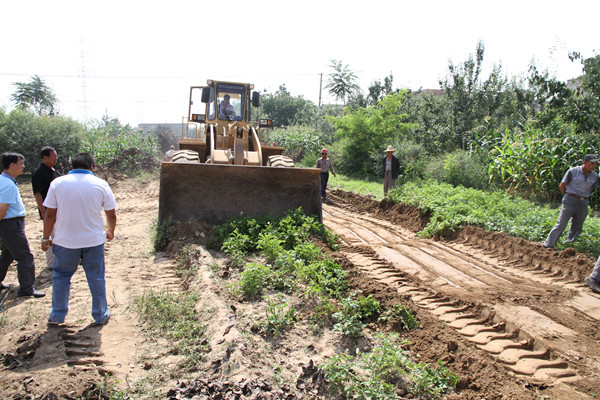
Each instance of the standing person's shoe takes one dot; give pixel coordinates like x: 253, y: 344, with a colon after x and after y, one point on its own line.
x: 593, y: 285
x: 35, y: 293
x: 4, y: 287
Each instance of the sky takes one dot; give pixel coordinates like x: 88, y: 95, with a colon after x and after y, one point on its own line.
x: 135, y: 60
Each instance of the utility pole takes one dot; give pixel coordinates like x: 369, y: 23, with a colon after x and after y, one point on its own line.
x: 320, y: 88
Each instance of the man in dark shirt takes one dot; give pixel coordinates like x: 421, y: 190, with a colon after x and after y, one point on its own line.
x: 40, y: 180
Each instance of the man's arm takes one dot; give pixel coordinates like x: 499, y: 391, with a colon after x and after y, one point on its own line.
x: 49, y: 221
x: 3, y: 209
x: 563, y: 187
x: 40, y: 203
x: 111, y: 221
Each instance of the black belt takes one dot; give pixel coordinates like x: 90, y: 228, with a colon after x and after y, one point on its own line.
x: 12, y: 219
x: 577, y: 197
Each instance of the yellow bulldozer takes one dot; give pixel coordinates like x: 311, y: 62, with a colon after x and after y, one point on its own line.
x: 226, y: 165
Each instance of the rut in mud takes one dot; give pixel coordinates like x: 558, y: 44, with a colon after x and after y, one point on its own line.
x: 525, y: 306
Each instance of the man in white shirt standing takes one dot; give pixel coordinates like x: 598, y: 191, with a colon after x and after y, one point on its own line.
x: 74, y: 205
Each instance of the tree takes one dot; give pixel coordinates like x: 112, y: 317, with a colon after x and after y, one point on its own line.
x: 35, y: 94
x: 577, y: 102
x: 365, y: 133
x: 378, y: 90
x: 285, y: 109
x: 341, y: 82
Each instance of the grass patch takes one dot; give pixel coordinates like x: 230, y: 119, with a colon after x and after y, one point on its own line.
x: 174, y: 317
x: 362, y: 187
x: 452, y: 207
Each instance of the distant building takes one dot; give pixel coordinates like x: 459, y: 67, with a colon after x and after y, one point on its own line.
x: 174, y: 129
x: 437, y: 92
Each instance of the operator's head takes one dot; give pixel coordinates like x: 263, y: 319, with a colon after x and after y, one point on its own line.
x: 226, y: 98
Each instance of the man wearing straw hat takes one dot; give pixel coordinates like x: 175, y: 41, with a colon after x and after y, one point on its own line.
x: 391, y: 169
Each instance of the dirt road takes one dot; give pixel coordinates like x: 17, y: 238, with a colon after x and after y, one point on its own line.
x: 524, y: 306
x: 512, y: 319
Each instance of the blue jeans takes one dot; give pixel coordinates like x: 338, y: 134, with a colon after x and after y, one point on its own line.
x: 65, y: 265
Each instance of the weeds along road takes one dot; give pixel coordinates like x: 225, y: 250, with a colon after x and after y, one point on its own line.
x: 539, y: 322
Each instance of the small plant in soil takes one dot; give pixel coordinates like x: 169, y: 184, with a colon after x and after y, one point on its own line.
x: 356, y: 313
x: 384, y: 372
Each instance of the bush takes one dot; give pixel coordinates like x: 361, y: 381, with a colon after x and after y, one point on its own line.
x: 26, y: 133
x: 462, y: 168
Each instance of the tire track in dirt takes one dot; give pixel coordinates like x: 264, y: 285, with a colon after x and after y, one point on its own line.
x: 478, y: 294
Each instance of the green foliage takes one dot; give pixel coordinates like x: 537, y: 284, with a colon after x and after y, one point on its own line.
x: 430, y: 115
x: 236, y: 246
x: 451, y: 207
x: 35, y: 95
x: 280, y: 315
x: 532, y: 162
x: 579, y: 105
x: 161, y: 235
x: 108, y: 139
x: 253, y: 280
x: 105, y: 390
x: 465, y: 169
x: 400, y: 316
x: 292, y: 258
x: 286, y: 110
x: 379, y: 373
x: 342, y: 81
x: 298, y: 140
x: 294, y: 227
x: 270, y: 246
x: 356, y: 313
x: 365, y: 133
x: 26, y: 133
x: 173, y: 316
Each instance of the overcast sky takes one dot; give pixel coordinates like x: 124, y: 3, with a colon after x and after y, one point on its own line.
x: 136, y: 60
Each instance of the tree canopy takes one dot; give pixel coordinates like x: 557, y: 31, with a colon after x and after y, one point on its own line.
x: 35, y: 95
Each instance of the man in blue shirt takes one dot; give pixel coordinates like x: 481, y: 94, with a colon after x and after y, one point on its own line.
x: 14, y: 244
x: 577, y: 185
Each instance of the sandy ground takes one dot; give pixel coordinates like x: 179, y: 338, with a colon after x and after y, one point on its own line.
x: 512, y: 319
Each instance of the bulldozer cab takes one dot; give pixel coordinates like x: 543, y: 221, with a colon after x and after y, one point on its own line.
x: 222, y: 102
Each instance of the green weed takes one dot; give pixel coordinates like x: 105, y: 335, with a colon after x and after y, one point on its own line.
x: 253, y: 280
x: 356, y: 313
x: 280, y: 315
x: 174, y: 316
x: 399, y: 316
x: 380, y: 373
x: 161, y: 235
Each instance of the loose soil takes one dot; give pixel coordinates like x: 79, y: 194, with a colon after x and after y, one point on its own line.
x: 513, y: 320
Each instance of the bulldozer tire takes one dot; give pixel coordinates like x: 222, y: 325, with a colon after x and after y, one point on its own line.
x: 280, y: 161
x: 186, y: 156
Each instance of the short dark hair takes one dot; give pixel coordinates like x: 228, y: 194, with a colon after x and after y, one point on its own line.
x: 83, y: 161
x: 11, y: 157
x: 46, y: 151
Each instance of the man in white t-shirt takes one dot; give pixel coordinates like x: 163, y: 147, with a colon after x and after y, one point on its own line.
x: 74, y: 205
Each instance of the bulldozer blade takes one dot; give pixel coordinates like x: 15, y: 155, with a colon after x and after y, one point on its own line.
x: 216, y: 193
